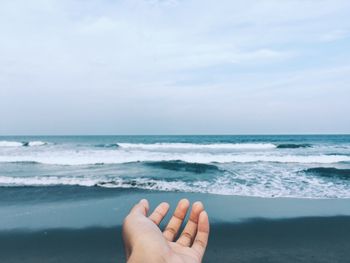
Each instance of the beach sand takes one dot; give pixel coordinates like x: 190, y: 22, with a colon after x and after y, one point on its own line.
x: 311, y: 239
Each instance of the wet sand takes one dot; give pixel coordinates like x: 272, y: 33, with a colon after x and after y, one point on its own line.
x: 311, y: 239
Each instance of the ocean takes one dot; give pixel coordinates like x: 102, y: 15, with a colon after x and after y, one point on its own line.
x: 298, y: 166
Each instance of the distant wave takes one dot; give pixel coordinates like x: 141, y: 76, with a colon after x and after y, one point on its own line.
x: 108, y: 145
x: 178, y: 165
x: 34, y: 143
x: 119, y: 157
x: 343, y: 154
x: 330, y: 172
x: 293, y: 146
x: 20, y: 144
x: 25, y: 162
x: 10, y: 144
x: 189, y: 146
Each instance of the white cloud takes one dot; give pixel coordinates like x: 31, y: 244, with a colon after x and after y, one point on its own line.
x: 335, y: 35
x: 166, y: 57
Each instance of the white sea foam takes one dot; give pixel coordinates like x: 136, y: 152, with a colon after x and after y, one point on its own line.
x: 36, y: 143
x: 46, y: 181
x: 10, y: 144
x: 117, y: 157
x: 19, y: 144
x: 141, y: 183
x: 189, y: 146
x: 305, y: 187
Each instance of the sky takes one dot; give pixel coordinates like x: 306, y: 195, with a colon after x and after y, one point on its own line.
x: 174, y: 67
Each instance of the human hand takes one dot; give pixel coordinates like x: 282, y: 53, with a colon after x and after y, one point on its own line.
x: 145, y: 242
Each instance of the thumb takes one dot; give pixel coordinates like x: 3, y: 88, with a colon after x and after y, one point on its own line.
x: 140, y: 208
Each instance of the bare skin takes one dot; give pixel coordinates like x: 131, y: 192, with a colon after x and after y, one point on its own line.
x: 145, y: 242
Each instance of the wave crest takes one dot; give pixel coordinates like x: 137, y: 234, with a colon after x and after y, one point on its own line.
x: 120, y: 157
x: 20, y: 144
x: 178, y: 165
x: 10, y: 144
x: 189, y: 146
x: 330, y: 172
x: 221, y: 185
x: 140, y: 183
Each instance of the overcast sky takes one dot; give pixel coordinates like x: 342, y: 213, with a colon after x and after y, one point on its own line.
x: 174, y: 67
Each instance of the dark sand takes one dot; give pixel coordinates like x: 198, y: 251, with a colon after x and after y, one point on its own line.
x: 318, y: 239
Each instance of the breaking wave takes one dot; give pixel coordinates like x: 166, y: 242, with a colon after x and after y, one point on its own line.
x: 221, y: 185
x: 141, y: 183
x: 330, y: 172
x: 34, y: 143
x: 119, y: 157
x: 189, y: 146
x: 184, y: 166
x: 20, y: 144
x: 10, y: 144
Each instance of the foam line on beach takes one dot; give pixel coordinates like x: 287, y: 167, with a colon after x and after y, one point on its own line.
x: 311, y: 188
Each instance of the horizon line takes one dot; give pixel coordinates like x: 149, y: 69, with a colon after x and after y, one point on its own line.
x: 207, y: 134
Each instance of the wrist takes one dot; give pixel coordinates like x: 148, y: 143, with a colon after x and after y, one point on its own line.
x: 146, y: 257
x: 140, y: 254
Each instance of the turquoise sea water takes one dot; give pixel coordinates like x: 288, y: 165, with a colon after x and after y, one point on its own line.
x: 263, y: 166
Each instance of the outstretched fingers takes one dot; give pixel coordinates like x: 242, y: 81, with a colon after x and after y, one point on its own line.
x: 159, y: 213
x: 201, y: 240
x: 176, y: 220
x: 188, y: 234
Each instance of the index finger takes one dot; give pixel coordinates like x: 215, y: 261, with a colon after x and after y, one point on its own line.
x: 201, y: 241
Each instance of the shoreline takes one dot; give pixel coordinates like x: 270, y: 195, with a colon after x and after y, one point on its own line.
x: 308, y: 239
x: 70, y: 210
x: 63, y: 207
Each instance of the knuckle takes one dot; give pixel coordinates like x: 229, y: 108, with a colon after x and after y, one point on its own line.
x: 186, y: 235
x: 159, y: 214
x: 171, y: 230
x: 200, y: 243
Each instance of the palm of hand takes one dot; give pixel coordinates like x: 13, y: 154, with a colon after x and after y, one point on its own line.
x: 145, y: 242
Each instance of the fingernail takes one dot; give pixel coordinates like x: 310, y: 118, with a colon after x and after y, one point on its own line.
x: 184, y: 202
x: 198, y: 203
